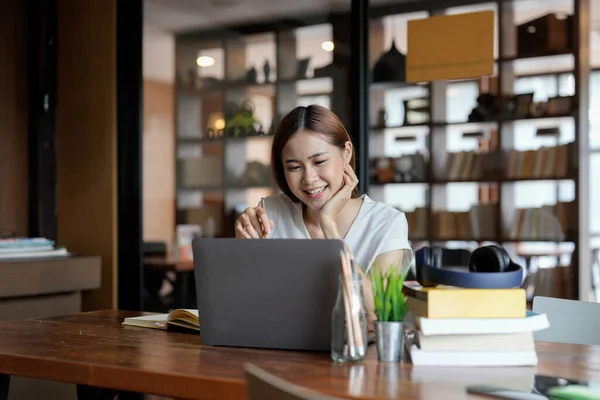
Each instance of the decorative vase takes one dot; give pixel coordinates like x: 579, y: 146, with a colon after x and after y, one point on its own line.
x: 391, y: 66
x: 390, y: 341
x: 267, y: 70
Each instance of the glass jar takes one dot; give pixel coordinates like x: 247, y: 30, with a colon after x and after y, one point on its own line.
x: 349, y: 322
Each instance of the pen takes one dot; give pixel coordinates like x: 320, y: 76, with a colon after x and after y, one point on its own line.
x: 262, y: 205
x: 352, y: 262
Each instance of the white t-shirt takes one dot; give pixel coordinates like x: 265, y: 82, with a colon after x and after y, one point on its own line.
x: 378, y: 228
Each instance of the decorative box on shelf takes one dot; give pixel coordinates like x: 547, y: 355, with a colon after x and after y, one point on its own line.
x: 548, y: 34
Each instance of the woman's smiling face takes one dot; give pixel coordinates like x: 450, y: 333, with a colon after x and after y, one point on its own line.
x: 314, y: 168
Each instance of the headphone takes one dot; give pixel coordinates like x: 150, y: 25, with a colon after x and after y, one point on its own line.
x: 489, y: 267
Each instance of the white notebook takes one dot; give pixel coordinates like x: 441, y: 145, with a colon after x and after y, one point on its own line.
x: 473, y: 358
x: 477, y: 326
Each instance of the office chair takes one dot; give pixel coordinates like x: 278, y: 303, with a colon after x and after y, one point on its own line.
x: 153, y: 279
x: 571, y: 321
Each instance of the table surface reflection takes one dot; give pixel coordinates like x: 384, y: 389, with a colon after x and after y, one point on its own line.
x: 95, y: 349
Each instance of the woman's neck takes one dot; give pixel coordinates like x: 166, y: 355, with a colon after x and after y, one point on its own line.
x: 312, y: 217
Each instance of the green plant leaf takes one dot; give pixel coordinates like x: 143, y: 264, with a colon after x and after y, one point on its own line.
x: 390, y: 302
x: 404, y: 309
x: 378, y: 308
x: 379, y: 295
x: 386, y: 312
x: 396, y: 296
x: 389, y: 290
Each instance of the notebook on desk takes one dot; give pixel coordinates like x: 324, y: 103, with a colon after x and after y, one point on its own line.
x: 182, y: 318
x: 270, y: 293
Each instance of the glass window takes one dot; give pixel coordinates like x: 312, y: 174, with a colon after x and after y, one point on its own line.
x: 566, y: 85
x: 542, y: 87
x: 595, y: 193
x: 322, y: 100
x: 461, y: 196
x: 462, y: 98
x: 394, y: 103
x: 595, y: 110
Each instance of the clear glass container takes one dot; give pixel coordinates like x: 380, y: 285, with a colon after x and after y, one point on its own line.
x: 349, y: 322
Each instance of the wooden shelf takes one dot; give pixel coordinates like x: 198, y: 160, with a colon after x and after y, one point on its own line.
x: 478, y: 181
x: 495, y: 240
x: 499, y: 132
x: 500, y: 138
x: 45, y: 276
x: 222, y: 139
x: 473, y: 123
x: 532, y: 57
x: 397, y: 85
x: 224, y: 86
x: 205, y: 100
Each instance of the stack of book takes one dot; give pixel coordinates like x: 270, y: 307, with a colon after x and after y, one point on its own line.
x: 28, y: 248
x: 471, y: 327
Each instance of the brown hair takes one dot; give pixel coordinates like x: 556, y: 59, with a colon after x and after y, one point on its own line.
x: 313, y: 118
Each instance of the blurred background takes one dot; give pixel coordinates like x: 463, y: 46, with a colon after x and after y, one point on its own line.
x: 466, y: 170
x: 130, y: 127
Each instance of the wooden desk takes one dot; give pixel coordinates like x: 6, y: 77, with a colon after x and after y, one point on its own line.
x: 94, y: 349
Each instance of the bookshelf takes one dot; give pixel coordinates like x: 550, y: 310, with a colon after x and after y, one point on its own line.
x: 231, y: 92
x: 463, y: 173
x: 427, y: 161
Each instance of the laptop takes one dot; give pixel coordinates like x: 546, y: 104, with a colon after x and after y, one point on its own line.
x: 266, y: 293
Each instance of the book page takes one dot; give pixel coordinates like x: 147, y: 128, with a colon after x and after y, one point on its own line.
x: 188, y: 317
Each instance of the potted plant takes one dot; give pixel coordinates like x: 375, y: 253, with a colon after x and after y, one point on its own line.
x: 390, y: 309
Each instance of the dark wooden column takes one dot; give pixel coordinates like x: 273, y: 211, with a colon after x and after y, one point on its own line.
x: 41, y: 67
x: 129, y: 149
x: 13, y: 118
x: 359, y: 89
x: 350, y: 96
x: 86, y: 138
x: 582, y: 268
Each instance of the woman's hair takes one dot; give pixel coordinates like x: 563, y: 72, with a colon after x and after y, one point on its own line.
x: 313, y: 118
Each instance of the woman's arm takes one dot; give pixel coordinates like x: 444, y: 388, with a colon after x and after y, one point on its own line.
x: 330, y: 231
x: 394, y: 257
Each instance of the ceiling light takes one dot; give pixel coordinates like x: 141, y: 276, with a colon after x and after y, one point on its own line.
x: 327, y: 46
x: 205, y: 61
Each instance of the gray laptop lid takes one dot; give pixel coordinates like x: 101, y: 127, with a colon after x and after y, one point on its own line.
x: 266, y: 293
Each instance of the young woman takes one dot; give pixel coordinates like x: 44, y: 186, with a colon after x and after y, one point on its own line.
x: 313, y: 162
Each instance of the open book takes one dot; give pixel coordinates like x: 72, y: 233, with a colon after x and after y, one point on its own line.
x: 181, y: 317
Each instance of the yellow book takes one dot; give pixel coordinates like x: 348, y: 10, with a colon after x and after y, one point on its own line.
x: 452, y: 302
x: 183, y: 318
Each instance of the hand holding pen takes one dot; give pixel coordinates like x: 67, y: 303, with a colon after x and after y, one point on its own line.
x: 254, y: 223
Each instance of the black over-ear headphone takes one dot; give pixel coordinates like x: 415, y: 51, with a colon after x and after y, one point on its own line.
x: 490, y: 267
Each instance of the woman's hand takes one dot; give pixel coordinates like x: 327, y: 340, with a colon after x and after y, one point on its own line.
x: 253, y: 224
x: 330, y: 211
